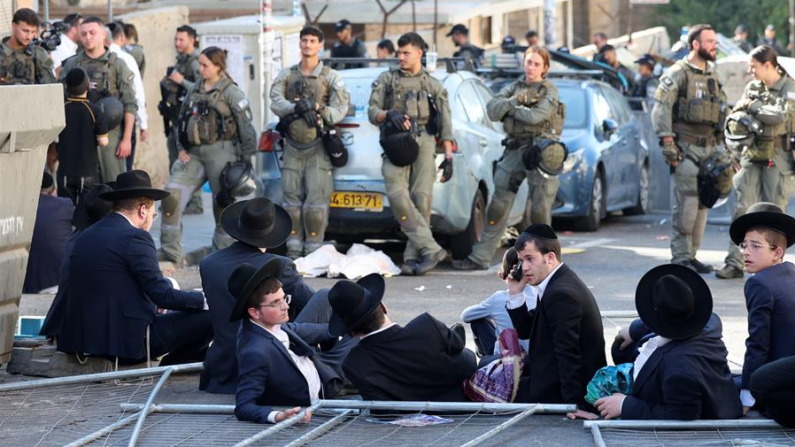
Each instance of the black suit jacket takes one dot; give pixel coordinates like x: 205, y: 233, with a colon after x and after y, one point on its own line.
x: 423, y: 361
x: 115, y: 287
x: 52, y: 230
x: 268, y: 375
x: 771, y: 318
x: 58, y: 311
x: 220, y: 365
x: 567, y: 344
x: 685, y: 380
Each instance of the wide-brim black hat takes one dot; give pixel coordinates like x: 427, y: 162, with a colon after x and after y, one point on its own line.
x: 245, y: 279
x: 352, y: 302
x: 91, y: 208
x: 674, y: 301
x: 763, y: 215
x: 257, y: 222
x: 132, y: 184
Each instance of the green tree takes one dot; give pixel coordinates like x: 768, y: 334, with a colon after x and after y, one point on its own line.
x: 725, y: 15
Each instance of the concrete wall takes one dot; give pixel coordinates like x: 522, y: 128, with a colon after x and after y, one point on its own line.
x: 25, y: 133
x: 156, y: 28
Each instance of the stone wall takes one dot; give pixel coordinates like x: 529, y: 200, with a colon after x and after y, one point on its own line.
x: 156, y: 28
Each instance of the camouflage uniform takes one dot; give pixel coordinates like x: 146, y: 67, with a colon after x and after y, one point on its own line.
x: 307, y: 181
x: 765, y: 180
x: 217, y: 130
x: 689, y: 106
x: 410, y: 188
x: 108, y: 76
x: 524, y: 123
x: 137, y: 52
x: 20, y: 67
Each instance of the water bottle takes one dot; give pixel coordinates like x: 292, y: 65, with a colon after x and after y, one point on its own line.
x: 683, y: 35
x: 359, y: 102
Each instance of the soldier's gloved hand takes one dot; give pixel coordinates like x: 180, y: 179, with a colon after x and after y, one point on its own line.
x: 671, y: 153
x: 754, y: 106
x: 303, y: 106
x: 311, y: 118
x: 447, y: 169
x: 397, y: 119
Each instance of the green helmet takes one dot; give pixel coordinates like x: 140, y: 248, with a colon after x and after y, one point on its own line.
x: 547, y: 156
x: 740, y: 131
x: 302, y: 135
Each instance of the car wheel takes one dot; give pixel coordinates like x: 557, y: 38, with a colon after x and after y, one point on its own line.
x: 462, y: 243
x: 596, y: 210
x: 642, y: 206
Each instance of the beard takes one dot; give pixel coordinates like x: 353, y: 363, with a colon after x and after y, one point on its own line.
x: 706, y: 55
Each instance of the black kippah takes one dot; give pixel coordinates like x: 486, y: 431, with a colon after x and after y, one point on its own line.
x: 542, y: 231
x: 75, y: 77
x: 47, y: 181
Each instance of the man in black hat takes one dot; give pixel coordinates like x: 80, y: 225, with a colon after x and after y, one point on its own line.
x: 257, y: 225
x: 89, y: 211
x: 278, y: 365
x: 423, y: 361
x: 680, y: 372
x: 52, y: 230
x: 564, y: 326
x: 763, y: 235
x: 116, y: 287
x: 347, y: 46
x: 647, y: 84
x: 460, y: 36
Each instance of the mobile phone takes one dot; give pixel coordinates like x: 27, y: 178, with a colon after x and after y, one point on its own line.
x: 517, y: 273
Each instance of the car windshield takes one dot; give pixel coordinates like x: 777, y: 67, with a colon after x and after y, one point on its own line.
x: 574, y: 98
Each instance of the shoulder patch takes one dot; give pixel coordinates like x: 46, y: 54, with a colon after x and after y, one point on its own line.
x: 130, y: 78
x: 243, y: 103
x: 340, y: 84
x: 375, y: 84
x: 791, y: 96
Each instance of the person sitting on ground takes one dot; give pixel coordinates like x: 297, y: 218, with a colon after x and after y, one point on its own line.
x: 278, y: 366
x: 423, y: 361
x: 86, y: 128
x: 564, y: 327
x: 257, y: 225
x: 763, y: 235
x: 681, y: 371
x: 116, y: 288
x: 51, y: 232
x: 773, y: 388
x: 489, y: 318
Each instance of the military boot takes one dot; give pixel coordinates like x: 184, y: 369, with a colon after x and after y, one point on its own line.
x: 729, y: 272
x: 701, y: 267
x: 409, y: 267
x: 467, y: 264
x: 429, y: 262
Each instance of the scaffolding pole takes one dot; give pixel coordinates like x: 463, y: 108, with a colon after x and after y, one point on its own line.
x: 88, y: 439
x: 289, y: 422
x: 502, y: 427
x: 314, y: 433
x: 139, y: 425
x: 685, y: 425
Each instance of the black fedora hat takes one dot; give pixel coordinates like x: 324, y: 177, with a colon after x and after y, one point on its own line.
x: 245, y: 279
x: 257, y: 222
x: 352, y: 302
x: 763, y: 214
x: 674, y: 301
x: 132, y: 184
x: 91, y: 208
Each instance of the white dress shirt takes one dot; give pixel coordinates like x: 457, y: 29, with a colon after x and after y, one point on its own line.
x: 138, y: 85
x: 64, y: 51
x: 519, y: 299
x: 646, y: 351
x: 380, y: 330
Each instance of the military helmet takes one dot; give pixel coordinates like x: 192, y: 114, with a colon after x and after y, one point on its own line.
x: 113, y: 110
x: 238, y: 182
x: 739, y: 131
x: 399, y: 145
x: 715, y: 176
x: 547, y: 155
x: 301, y: 135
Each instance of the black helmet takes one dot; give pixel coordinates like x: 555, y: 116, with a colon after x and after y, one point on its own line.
x: 113, y: 110
x: 715, y: 177
x: 399, y: 144
x: 238, y: 181
x: 547, y: 155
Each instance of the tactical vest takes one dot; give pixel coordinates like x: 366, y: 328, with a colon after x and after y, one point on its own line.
x: 411, y: 95
x: 301, y: 135
x: 551, y: 127
x: 210, y: 118
x: 16, y: 67
x: 698, y: 110
x: 758, y: 91
x: 173, y: 94
x: 101, y: 77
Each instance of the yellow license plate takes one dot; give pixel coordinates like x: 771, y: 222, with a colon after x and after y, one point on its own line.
x: 359, y: 201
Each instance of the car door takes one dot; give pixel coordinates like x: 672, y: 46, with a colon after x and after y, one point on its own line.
x: 607, y: 144
x: 629, y: 139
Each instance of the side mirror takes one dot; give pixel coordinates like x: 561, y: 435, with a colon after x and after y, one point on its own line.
x: 609, y: 127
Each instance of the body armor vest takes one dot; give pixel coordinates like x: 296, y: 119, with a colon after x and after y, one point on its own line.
x: 410, y: 95
x: 305, y: 87
x: 699, y: 110
x: 173, y: 94
x: 17, y: 67
x: 759, y: 92
x: 209, y: 116
x: 551, y: 127
x: 101, y: 77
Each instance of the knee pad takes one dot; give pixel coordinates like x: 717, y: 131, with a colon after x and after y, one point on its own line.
x: 295, y: 216
x: 315, y: 220
x: 498, y: 209
x: 422, y: 201
x: 170, y: 206
x: 403, y: 210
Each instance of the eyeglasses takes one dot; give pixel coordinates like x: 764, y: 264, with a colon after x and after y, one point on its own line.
x: 279, y: 302
x: 754, y: 247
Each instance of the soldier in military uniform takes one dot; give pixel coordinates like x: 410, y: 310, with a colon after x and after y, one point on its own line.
x: 133, y: 47
x: 347, y: 46
x: 533, y: 119
x: 460, y: 36
x: 173, y: 87
x: 214, y: 129
x: 109, y: 77
x: 22, y: 62
x: 758, y: 132
x: 309, y: 99
x: 688, y: 113
x: 413, y: 106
